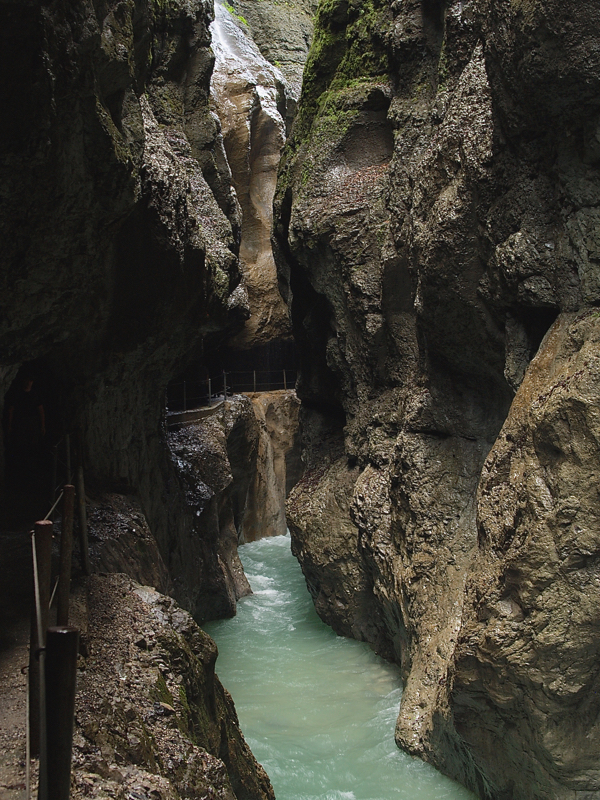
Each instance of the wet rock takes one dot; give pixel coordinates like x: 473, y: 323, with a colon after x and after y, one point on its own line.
x: 232, y: 468
x: 121, y: 541
x: 249, y: 96
x: 214, y: 461
x: 278, y: 465
x: 323, y: 534
x: 283, y: 33
x: 193, y: 748
x: 433, y: 217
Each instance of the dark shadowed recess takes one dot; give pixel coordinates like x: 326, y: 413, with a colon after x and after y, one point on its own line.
x: 268, y: 367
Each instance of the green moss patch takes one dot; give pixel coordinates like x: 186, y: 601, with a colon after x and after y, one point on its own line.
x: 348, y: 49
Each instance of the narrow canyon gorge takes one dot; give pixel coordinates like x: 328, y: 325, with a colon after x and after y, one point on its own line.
x: 396, y: 202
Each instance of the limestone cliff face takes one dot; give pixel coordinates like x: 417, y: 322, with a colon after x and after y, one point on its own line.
x: 152, y: 718
x: 436, y: 211
x: 278, y: 465
x: 527, y: 646
x: 249, y: 96
x: 283, y: 33
x: 232, y: 467
x: 260, y: 50
x: 120, y: 226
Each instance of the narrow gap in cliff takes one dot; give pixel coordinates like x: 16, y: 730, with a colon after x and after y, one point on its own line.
x: 537, y: 322
x: 433, y: 16
x: 114, y: 105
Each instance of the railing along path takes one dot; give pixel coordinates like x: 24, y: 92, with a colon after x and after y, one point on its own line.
x: 205, y: 392
x: 53, y: 650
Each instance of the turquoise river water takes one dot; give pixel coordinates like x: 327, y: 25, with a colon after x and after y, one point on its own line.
x: 317, y: 710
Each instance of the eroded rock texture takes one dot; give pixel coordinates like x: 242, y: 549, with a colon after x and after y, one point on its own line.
x: 249, y: 95
x: 527, y: 648
x: 278, y: 465
x: 215, y: 461
x: 436, y: 211
x: 121, y: 541
x: 283, y: 33
x: 152, y: 719
x: 233, y: 468
x: 120, y: 227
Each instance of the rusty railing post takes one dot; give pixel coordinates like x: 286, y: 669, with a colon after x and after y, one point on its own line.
x: 224, y: 385
x: 66, y: 551
x: 184, y: 398
x: 61, y: 672
x: 68, y: 456
x: 54, y: 477
x: 284, y: 381
x: 254, y: 380
x: 83, y: 531
x: 43, y: 557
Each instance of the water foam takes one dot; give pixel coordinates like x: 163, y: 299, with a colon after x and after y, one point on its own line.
x: 317, y: 710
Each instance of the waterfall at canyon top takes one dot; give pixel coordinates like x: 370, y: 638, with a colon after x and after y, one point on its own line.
x: 249, y: 96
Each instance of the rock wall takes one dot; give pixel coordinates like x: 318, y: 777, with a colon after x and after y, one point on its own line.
x: 120, y: 540
x: 283, y: 33
x: 249, y: 96
x: 122, y: 230
x: 121, y: 227
x: 278, y: 466
x: 436, y: 212
x: 227, y: 476
x: 527, y: 644
x: 152, y: 718
x: 214, y: 460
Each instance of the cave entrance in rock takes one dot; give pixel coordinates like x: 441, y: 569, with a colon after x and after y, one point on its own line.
x: 268, y: 367
x: 537, y: 322
x: 32, y: 428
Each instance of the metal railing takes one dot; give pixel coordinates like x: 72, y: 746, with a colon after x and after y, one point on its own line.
x: 188, y: 394
x: 53, y: 649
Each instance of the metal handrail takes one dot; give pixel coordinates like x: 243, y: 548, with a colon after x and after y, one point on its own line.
x: 54, y: 759
x: 246, y: 381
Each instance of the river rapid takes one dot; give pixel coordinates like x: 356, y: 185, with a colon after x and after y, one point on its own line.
x: 317, y: 710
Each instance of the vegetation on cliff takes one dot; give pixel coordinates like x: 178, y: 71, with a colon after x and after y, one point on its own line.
x: 434, y: 217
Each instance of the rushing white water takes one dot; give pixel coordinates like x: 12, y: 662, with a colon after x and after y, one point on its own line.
x: 317, y: 710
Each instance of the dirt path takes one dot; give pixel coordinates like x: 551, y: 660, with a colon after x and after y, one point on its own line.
x: 15, y: 588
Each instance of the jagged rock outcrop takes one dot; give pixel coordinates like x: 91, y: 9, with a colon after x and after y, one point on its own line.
x: 152, y: 718
x: 215, y: 461
x: 236, y: 468
x: 232, y: 470
x: 436, y: 211
x: 120, y: 540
